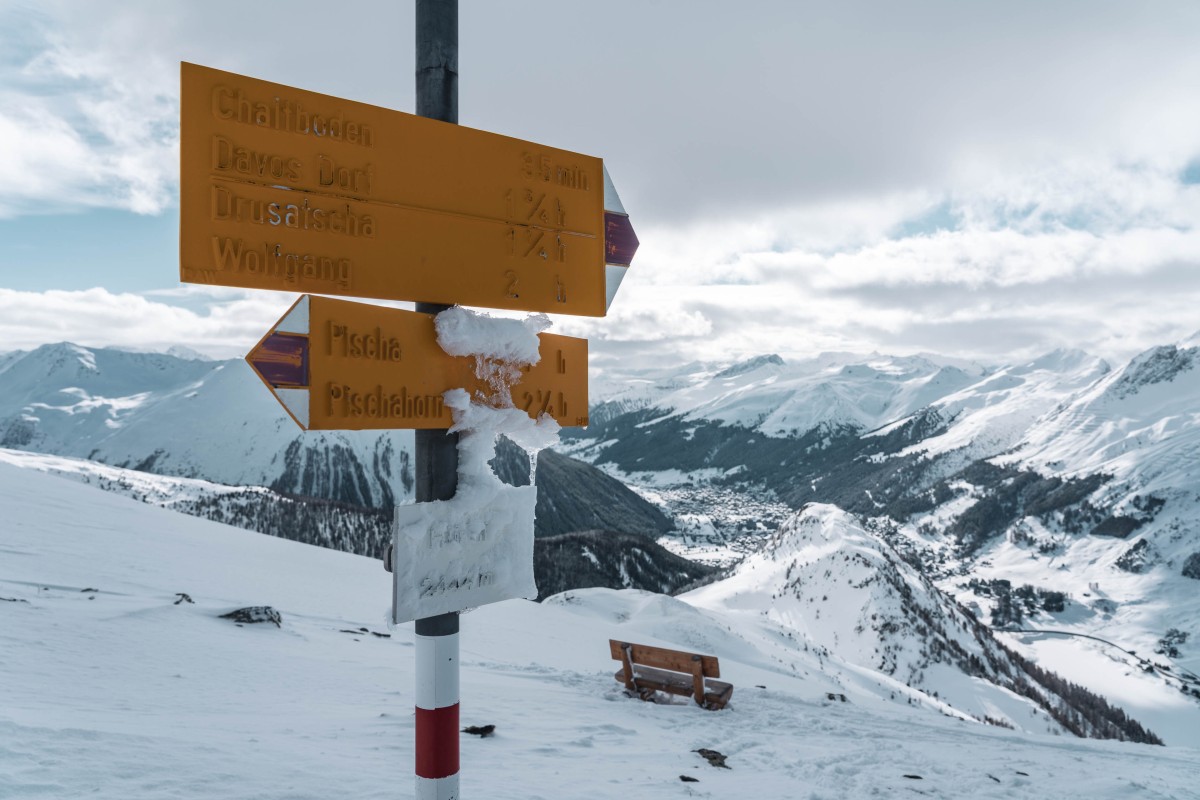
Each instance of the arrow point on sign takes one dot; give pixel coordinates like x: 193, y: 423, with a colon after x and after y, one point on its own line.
x: 613, y: 276
x: 612, y: 202
x: 296, y: 319
x: 281, y: 359
x: 620, y: 242
x: 296, y: 403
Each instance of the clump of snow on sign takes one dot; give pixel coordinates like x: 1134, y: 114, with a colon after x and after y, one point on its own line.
x: 477, y: 547
x: 500, y: 347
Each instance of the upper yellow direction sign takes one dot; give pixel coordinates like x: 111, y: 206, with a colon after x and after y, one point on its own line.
x: 292, y: 190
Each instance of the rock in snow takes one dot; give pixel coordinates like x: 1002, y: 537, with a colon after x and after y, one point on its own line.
x: 253, y: 614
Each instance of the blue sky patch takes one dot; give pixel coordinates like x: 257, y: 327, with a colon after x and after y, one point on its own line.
x: 1191, y: 174
x: 120, y: 251
x: 934, y: 220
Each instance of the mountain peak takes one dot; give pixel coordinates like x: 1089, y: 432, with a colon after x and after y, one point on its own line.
x: 62, y: 354
x: 816, y: 524
x: 186, y: 353
x: 749, y: 365
x: 1068, y: 359
x: 841, y: 587
x: 1156, y: 365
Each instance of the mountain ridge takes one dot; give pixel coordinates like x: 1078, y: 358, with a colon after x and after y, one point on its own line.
x: 1060, y: 473
x: 999, y: 482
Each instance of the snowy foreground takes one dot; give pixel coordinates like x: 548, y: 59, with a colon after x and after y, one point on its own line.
x: 110, y: 689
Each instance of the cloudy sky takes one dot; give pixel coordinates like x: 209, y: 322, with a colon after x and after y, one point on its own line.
x: 988, y: 180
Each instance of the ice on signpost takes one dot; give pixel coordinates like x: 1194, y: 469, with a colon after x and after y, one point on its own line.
x: 477, y: 547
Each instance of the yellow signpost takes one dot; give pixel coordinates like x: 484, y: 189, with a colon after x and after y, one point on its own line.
x: 292, y: 190
x: 340, y: 365
x: 286, y: 189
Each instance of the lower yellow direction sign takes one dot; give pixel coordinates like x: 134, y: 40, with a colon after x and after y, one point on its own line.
x: 340, y: 365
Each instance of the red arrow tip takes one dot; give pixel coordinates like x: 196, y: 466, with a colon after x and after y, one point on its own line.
x: 620, y: 242
x: 282, y: 360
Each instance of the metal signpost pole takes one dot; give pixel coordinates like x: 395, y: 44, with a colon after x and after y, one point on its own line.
x: 437, y: 453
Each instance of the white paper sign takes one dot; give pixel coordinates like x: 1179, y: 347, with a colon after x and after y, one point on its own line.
x: 464, y: 552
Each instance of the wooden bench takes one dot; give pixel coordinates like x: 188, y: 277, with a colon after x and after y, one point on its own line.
x: 646, y: 670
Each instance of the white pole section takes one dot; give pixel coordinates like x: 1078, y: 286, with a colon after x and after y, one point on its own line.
x: 437, y: 708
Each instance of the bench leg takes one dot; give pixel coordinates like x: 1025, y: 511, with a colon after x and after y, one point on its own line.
x: 627, y: 662
x: 698, y: 680
x: 719, y: 701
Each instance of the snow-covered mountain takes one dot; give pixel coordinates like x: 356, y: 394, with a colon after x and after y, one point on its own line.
x: 995, y: 413
x: 214, y: 421
x: 581, y: 558
x: 1058, y: 494
x: 121, y: 680
x: 338, y: 526
x: 777, y: 398
x: 189, y: 418
x: 842, y: 589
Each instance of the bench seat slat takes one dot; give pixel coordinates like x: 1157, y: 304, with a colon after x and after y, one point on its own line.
x: 662, y: 658
x: 716, y: 693
x: 673, y: 682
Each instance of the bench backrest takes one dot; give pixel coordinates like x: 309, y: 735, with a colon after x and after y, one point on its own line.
x: 662, y: 658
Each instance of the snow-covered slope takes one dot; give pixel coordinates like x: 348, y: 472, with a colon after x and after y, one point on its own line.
x: 843, y: 589
x: 778, y: 398
x: 189, y: 418
x: 112, y: 689
x: 1140, y: 424
x: 9, y: 357
x: 214, y: 421
x: 1127, y: 614
x: 631, y: 388
x: 1122, y: 552
x: 1059, y: 475
x: 161, y: 490
x: 995, y: 413
x: 347, y: 528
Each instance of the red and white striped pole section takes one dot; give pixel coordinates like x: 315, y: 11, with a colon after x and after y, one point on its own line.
x: 437, y: 707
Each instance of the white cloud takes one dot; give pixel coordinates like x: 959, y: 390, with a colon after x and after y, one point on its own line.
x: 225, y: 325
x: 635, y: 320
x: 1097, y: 192
x: 1003, y: 258
x: 807, y: 104
x: 1096, y: 255
x: 981, y: 179
x: 81, y: 126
